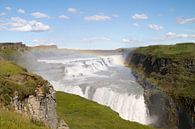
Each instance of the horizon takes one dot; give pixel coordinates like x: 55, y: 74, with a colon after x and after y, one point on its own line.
x: 97, y: 24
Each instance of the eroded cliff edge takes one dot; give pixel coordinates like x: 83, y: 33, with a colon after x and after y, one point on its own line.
x: 167, y: 74
x: 24, y: 92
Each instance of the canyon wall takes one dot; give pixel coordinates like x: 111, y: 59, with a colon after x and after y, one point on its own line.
x: 168, y: 82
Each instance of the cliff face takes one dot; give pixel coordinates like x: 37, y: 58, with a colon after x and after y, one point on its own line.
x: 40, y: 107
x: 14, y: 46
x: 162, y: 108
x: 28, y: 94
x: 168, y: 76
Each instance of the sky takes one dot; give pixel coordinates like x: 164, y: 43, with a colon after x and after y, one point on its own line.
x: 97, y: 24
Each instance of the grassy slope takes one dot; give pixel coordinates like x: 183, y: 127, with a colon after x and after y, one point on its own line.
x: 15, y: 78
x: 178, y: 81
x: 11, y: 120
x: 80, y: 113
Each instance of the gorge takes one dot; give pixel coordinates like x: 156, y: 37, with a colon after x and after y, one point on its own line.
x: 115, y: 79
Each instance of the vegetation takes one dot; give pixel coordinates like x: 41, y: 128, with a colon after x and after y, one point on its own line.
x: 180, y: 77
x: 14, y: 78
x: 178, y: 51
x: 12, y: 120
x: 80, y: 113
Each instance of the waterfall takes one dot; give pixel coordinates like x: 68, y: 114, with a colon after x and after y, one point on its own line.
x: 104, y: 80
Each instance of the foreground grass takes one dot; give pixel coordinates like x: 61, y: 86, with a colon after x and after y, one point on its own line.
x: 80, y: 113
x: 12, y: 120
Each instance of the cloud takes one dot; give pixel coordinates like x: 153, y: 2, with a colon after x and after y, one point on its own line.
x: 8, y: 8
x: 43, y: 41
x: 97, y: 18
x: 96, y: 39
x: 135, y: 24
x: 140, y: 16
x: 21, y: 11
x: 39, y: 15
x: 2, y: 14
x: 130, y: 40
x: 72, y: 10
x: 19, y: 24
x: 185, y: 20
x: 155, y: 27
x: 172, y: 35
x: 64, y: 17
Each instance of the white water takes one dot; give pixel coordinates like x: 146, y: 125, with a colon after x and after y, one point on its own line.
x: 102, y: 79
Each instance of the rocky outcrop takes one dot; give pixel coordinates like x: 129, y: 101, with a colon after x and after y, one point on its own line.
x: 14, y: 46
x: 40, y: 107
x: 24, y: 92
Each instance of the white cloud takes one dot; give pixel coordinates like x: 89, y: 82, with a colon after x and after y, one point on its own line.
x: 21, y: 11
x: 135, y: 24
x: 72, y: 10
x: 2, y: 13
x: 185, y: 20
x: 97, y: 18
x: 96, y: 39
x: 172, y: 35
x: 8, y: 8
x: 64, y: 17
x: 39, y: 15
x: 43, y: 41
x: 19, y: 24
x: 130, y: 40
x: 140, y: 16
x: 155, y: 27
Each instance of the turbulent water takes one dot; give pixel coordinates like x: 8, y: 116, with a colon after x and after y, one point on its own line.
x: 102, y: 79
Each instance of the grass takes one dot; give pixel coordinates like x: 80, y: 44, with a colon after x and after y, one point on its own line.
x: 6, y: 67
x: 12, y: 120
x: 179, y: 80
x: 178, y: 51
x: 9, y: 54
x: 80, y: 113
x: 15, y: 78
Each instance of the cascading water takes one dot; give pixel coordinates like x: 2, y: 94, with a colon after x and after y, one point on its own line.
x: 102, y: 79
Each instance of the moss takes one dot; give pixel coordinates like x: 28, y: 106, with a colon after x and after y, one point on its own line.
x: 80, y: 113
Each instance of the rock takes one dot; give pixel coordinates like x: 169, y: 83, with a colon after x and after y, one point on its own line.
x: 62, y: 125
x: 40, y: 107
x: 14, y: 46
x: 162, y: 108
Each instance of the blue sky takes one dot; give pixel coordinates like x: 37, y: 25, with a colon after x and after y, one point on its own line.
x: 97, y: 24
